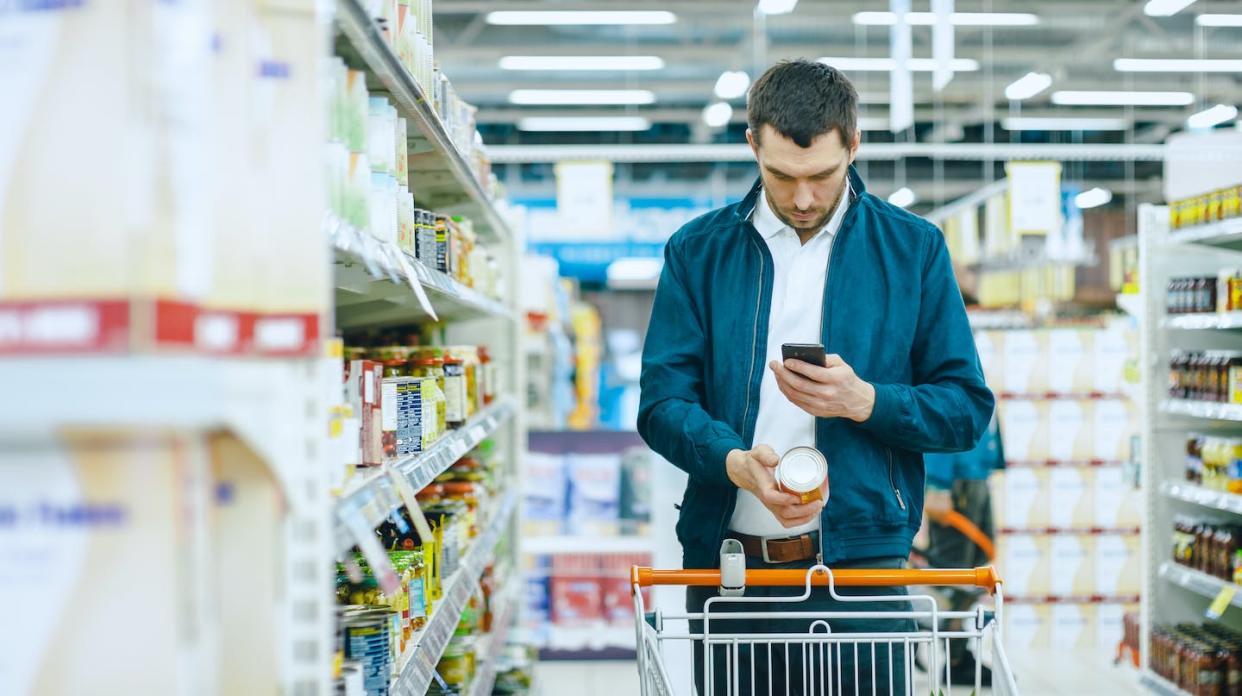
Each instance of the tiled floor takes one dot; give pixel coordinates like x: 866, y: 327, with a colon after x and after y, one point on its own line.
x: 1044, y: 673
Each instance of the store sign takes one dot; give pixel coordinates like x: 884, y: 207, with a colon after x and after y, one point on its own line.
x: 1034, y: 197
x: 584, y: 198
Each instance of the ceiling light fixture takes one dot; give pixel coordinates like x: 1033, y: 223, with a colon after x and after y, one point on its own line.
x: 1093, y: 198
x: 571, y: 17
x: 1177, y: 65
x: 732, y: 84
x: 718, y: 114
x: 888, y: 64
x: 1026, y: 123
x: 580, y: 124
x: 775, y: 7
x: 1214, y: 116
x: 594, y: 97
x: 902, y: 197
x: 581, y: 63
x: 961, y: 19
x: 1219, y: 20
x: 1165, y: 8
x: 1121, y: 98
x: 1028, y: 86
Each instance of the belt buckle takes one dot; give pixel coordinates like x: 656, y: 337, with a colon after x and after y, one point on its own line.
x: 763, y: 547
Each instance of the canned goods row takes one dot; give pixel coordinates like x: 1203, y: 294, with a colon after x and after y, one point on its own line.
x: 1205, y: 659
x: 1221, y: 204
x: 1214, y: 375
x: 1205, y: 294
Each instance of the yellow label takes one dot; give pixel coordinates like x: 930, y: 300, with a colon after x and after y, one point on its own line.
x: 334, y: 348
x: 1221, y: 603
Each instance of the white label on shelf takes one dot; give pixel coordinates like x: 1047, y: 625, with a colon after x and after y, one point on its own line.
x: 412, y: 277
x: 460, y: 447
x: 216, y: 332
x: 478, y: 433
x: 406, y: 491
x: 278, y: 333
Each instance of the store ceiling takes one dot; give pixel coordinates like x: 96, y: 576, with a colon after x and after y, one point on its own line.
x: 1074, y: 41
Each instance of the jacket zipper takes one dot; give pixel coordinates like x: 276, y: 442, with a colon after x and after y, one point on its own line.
x: 892, y: 480
x: 754, y: 336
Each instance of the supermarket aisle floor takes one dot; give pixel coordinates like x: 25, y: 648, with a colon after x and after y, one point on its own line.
x: 1040, y: 673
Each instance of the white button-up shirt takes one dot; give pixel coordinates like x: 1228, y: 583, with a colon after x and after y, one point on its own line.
x: 796, y: 311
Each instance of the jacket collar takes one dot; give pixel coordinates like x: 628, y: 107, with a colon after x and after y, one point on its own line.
x: 746, y: 207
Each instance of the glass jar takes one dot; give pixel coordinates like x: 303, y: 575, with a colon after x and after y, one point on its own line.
x: 454, y: 391
x: 433, y: 368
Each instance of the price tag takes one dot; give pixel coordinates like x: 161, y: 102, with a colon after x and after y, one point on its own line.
x: 411, y: 276
x: 1222, y: 601
x: 478, y: 433
x: 406, y: 491
x: 460, y: 447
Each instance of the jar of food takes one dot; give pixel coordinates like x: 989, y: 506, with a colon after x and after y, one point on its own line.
x: 455, y: 391
x: 488, y: 380
x: 1233, y: 466
x: 432, y: 368
x: 1233, y: 378
x: 1194, y: 459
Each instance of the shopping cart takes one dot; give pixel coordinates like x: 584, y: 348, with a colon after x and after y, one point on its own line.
x: 824, y: 662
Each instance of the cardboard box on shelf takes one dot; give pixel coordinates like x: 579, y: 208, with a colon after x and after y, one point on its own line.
x: 1024, y: 426
x: 1071, y: 360
x: 363, y: 379
x: 1073, y: 626
x: 1023, y: 560
x: 1071, y: 565
x: 1118, y: 505
x: 1070, y: 434
x: 1117, y: 565
x: 1115, y: 422
x: 595, y: 494
x: 991, y: 347
x: 1071, y: 498
x: 1026, y: 362
x: 1021, y: 497
x: 1027, y: 626
x: 544, y: 490
x: 1113, y: 348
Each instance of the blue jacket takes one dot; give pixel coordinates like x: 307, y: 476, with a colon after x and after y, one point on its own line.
x: 973, y: 465
x: 891, y: 309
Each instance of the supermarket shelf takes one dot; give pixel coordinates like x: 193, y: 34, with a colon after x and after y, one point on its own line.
x: 419, y: 665
x: 488, y: 655
x: 1223, y: 320
x: 1205, y: 497
x: 375, y: 287
x: 1197, y: 582
x: 1226, y: 234
x: 1059, y: 396
x: 1210, y: 410
x: 375, y: 497
x: 1157, y: 684
x: 1071, y: 531
x: 439, y: 172
x: 553, y: 545
x: 1061, y: 463
x: 1026, y: 262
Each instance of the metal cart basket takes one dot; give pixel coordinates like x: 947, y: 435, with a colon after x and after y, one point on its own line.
x: 824, y: 662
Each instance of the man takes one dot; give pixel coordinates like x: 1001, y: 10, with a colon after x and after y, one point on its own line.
x: 807, y: 257
x: 958, y: 482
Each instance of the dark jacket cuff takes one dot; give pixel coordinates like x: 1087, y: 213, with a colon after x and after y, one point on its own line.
x: 887, y: 412
x: 713, y: 459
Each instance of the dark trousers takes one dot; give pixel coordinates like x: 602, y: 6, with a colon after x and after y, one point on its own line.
x: 768, y: 668
x: 950, y: 548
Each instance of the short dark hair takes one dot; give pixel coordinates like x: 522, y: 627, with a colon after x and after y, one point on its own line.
x: 803, y: 100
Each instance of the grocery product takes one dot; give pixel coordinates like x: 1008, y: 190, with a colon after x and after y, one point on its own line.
x: 455, y: 391
x: 1207, y: 546
x: 1214, y: 206
x: 1203, y: 659
x: 1214, y: 462
x: 801, y: 471
x: 1206, y: 376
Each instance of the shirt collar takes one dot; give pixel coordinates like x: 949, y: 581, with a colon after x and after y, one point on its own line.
x: 768, y: 225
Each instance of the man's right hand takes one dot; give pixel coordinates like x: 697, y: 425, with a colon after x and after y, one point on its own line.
x: 753, y: 471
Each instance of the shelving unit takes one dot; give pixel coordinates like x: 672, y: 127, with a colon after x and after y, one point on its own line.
x: 489, y: 653
x: 374, y: 496
x: 553, y: 545
x: 419, y: 663
x: 1173, y: 593
x: 438, y: 170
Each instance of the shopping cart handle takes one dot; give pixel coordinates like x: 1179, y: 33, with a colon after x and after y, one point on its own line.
x: 984, y: 577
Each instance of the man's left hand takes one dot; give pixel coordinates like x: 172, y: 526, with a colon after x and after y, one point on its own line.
x: 832, y: 391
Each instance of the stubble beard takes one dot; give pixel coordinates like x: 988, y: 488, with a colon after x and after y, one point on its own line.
x: 819, y: 224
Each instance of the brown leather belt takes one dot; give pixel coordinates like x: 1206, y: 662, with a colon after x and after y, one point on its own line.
x: 799, y: 548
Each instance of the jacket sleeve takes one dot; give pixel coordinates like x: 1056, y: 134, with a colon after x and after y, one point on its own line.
x: 947, y: 406
x: 671, y: 417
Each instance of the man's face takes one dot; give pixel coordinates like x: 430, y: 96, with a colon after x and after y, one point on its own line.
x: 803, y: 184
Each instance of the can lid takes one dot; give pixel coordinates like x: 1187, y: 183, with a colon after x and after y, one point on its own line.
x: 802, y: 469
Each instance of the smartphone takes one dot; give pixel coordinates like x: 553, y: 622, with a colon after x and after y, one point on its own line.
x: 812, y: 353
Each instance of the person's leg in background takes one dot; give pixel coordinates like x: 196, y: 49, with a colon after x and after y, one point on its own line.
x: 951, y: 549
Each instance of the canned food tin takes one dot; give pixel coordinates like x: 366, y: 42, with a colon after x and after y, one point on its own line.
x: 802, y: 470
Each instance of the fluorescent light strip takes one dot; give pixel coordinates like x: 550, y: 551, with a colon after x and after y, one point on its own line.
x: 888, y: 64
x: 718, y: 114
x: 1023, y: 123
x: 902, y: 197
x: 732, y: 84
x: 581, y: 63
x: 1178, y: 65
x: 1093, y: 198
x: 1028, y: 86
x: 1121, y: 98
x: 1212, y: 117
x: 567, y: 124
x: 580, y: 17
x: 1165, y: 8
x: 1219, y: 20
x: 961, y: 19
x: 593, y: 97
x: 777, y: 7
